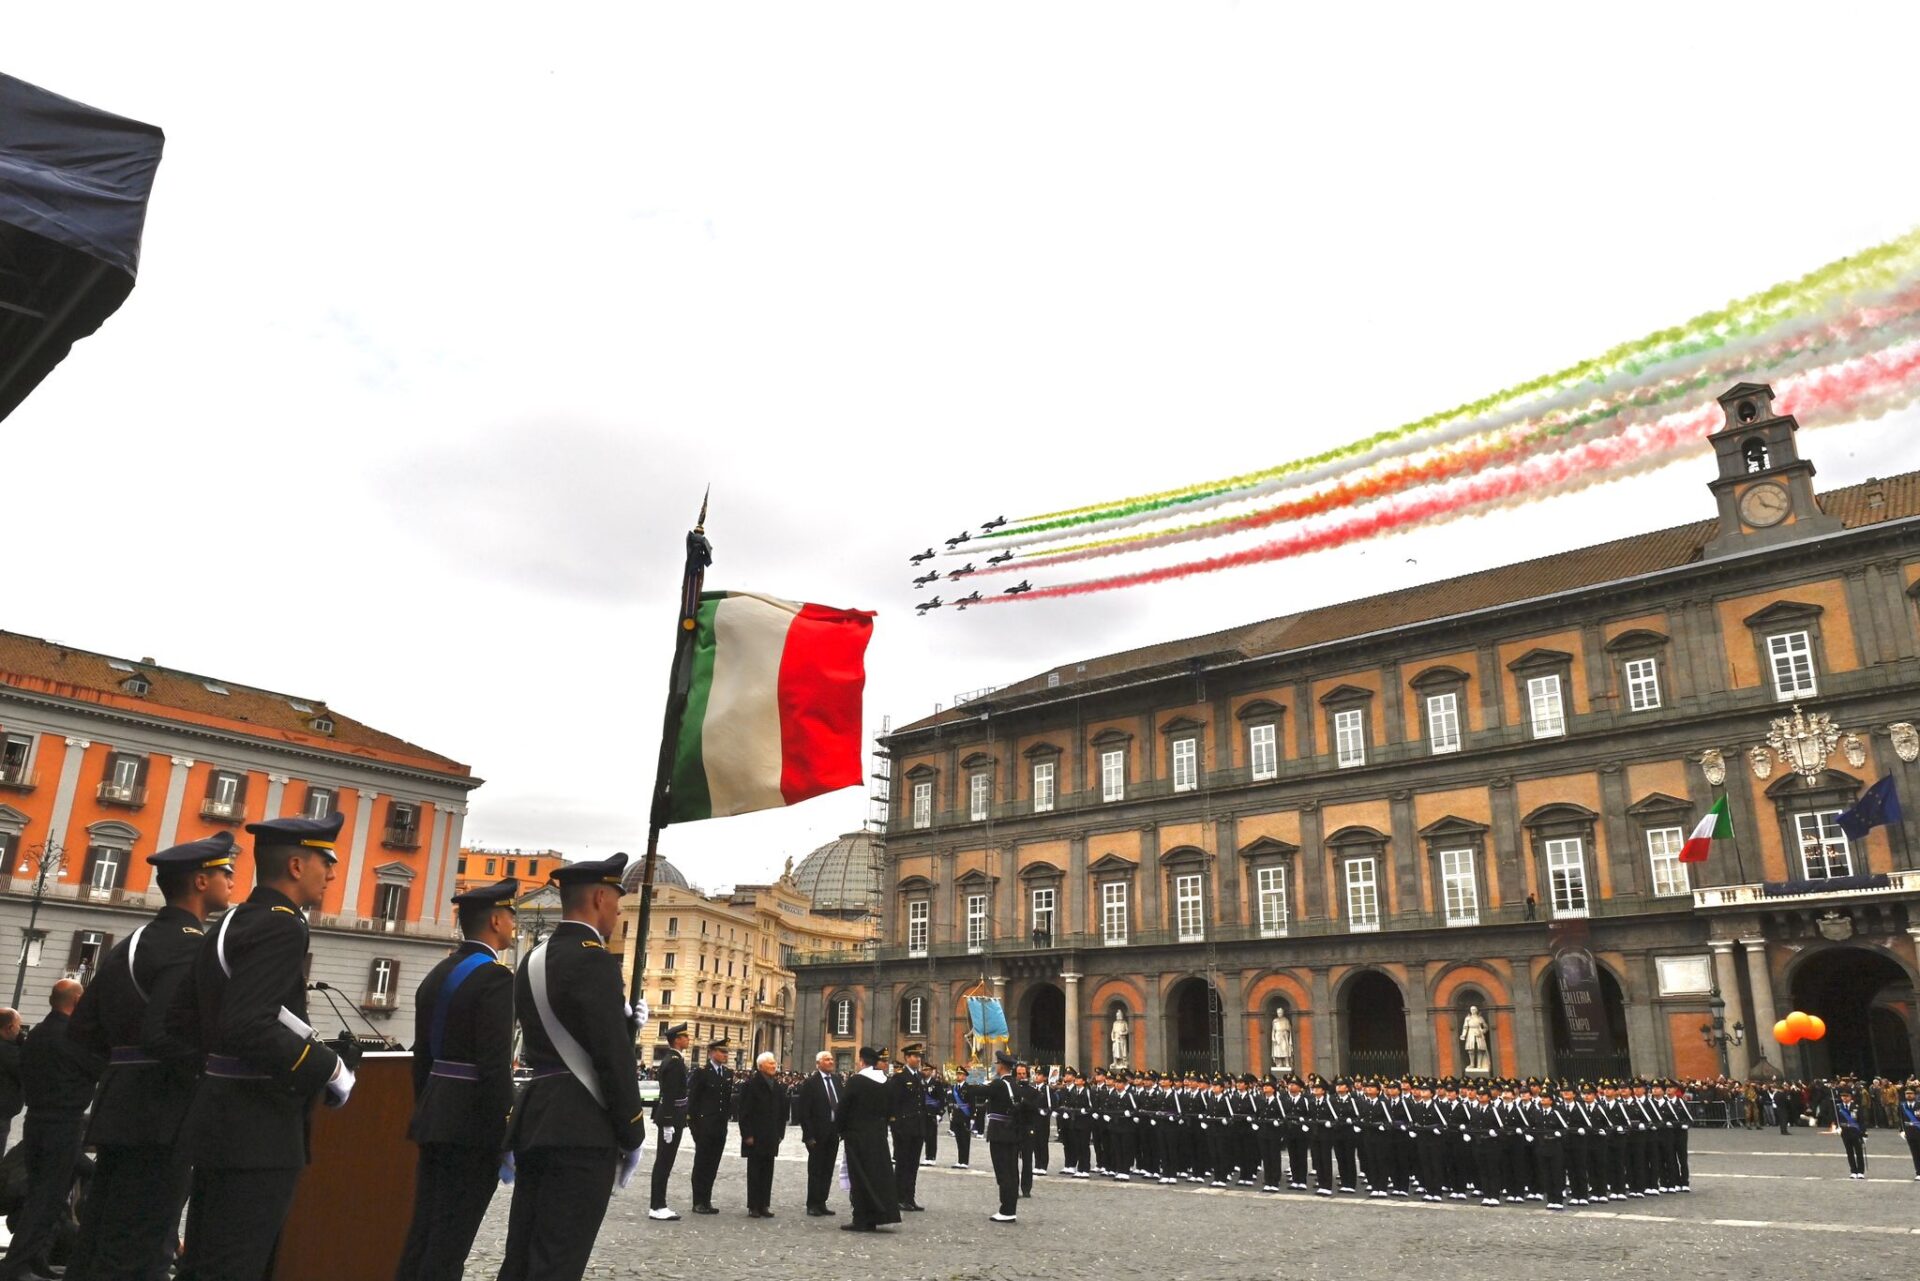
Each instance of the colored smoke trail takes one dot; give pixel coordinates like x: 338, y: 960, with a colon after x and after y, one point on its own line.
x: 1865, y: 388
x: 1630, y: 398
x: 1884, y: 267
x: 1512, y: 445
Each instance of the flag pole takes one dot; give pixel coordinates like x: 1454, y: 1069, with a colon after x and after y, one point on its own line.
x: 1738, y: 862
x: 699, y: 556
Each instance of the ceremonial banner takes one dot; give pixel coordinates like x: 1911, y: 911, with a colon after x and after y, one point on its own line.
x: 1580, y: 999
x: 772, y: 711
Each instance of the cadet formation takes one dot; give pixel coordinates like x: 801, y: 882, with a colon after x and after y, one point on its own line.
x: 190, y: 1069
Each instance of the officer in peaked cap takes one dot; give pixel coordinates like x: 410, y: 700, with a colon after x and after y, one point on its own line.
x: 906, y: 1105
x: 141, y: 1174
x: 577, y: 1127
x: 462, y: 1084
x: 669, y: 1115
x: 709, y: 1109
x: 243, y: 1001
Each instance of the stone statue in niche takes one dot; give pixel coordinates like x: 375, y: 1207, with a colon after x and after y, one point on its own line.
x: 1282, y: 1041
x: 1473, y: 1040
x: 1119, y: 1040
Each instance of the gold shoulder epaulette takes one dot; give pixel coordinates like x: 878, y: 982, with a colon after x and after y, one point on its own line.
x: 192, y: 929
x: 503, y: 965
x: 589, y: 943
x: 289, y: 911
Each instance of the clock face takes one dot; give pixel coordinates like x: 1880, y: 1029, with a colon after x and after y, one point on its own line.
x: 1765, y: 505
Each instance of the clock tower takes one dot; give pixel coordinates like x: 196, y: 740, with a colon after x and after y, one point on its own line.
x: 1765, y: 489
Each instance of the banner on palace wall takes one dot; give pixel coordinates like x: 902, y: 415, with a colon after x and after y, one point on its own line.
x: 1581, y: 1003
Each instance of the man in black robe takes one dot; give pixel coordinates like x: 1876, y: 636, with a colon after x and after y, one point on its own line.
x: 862, y: 1123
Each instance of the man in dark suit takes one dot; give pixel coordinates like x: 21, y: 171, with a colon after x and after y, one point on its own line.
x: 576, y: 1130
x: 669, y: 1116
x: 709, y: 1109
x: 56, y: 1077
x: 140, y: 1171
x: 462, y: 1085
x: 819, y: 1099
x: 9, y: 1073
x: 763, y: 1123
x: 243, y: 1001
x: 907, y: 1105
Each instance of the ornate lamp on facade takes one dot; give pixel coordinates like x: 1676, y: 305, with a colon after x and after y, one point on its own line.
x: 47, y: 859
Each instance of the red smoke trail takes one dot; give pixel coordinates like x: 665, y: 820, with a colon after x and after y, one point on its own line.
x: 1822, y: 397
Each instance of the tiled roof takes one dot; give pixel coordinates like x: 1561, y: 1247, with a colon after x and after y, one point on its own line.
x: 1871, y: 502
x: 28, y: 662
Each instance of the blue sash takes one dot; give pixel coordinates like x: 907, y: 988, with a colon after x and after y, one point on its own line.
x: 438, y: 1035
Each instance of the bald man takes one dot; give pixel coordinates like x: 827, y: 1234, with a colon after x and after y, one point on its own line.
x: 57, y: 1077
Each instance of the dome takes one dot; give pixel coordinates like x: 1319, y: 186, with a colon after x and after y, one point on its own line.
x: 664, y: 873
x: 842, y: 877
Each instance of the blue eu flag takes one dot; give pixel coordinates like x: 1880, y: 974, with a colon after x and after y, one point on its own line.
x: 1877, y: 805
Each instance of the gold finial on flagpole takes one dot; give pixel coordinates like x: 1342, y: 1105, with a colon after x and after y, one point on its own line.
x: 700, y: 526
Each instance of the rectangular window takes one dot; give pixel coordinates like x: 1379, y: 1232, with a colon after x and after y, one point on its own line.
x: 380, y: 985
x: 319, y: 803
x: 916, y: 1015
x: 1663, y: 851
x: 919, y: 913
x: 666, y: 998
x: 390, y: 904
x: 1271, y: 884
x: 1543, y: 705
x: 1461, y: 891
x: 1363, y: 895
x: 922, y: 805
x: 460, y: 867
x: 1790, y: 654
x: 1113, y: 913
x: 1824, y: 851
x: 491, y: 865
x: 673, y: 927
x: 106, y: 870
x: 1350, y: 738
x: 89, y: 946
x: 1567, y: 876
x: 979, y: 788
x: 1113, y: 776
x: 843, y: 1017
x: 125, y: 774
x: 1262, y: 753
x: 1443, y: 722
x: 670, y: 960
x: 1187, y: 917
x: 14, y: 751
x: 1186, y: 769
x: 1043, y: 787
x: 1643, y: 684
x: 1043, y: 916
x: 225, y: 790
x: 976, y: 922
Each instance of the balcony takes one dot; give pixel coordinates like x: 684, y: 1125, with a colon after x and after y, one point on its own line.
x: 400, y: 838
x: 222, y: 811
x: 16, y: 778
x: 1777, y: 893
x: 132, y: 797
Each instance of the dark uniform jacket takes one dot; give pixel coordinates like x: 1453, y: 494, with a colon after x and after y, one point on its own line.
x: 670, y: 1108
x: 141, y: 1104
x: 9, y: 1079
x: 476, y: 1032
x: 586, y: 994
x: 258, y: 1124
x: 709, y: 1100
x: 814, y: 1109
x: 763, y: 1115
x: 906, y: 1101
x: 56, y: 1072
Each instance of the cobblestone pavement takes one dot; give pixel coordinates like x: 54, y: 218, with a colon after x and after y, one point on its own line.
x: 1763, y: 1206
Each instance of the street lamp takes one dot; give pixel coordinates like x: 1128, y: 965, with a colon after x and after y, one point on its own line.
x: 1718, y: 1035
x: 48, y: 858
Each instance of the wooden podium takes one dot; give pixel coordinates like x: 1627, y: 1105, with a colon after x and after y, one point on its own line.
x: 353, y: 1205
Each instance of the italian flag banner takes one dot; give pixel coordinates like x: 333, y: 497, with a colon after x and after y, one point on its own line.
x: 1716, y: 826
x: 773, y: 705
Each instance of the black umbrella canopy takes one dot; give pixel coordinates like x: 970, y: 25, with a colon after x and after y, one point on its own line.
x: 74, y: 183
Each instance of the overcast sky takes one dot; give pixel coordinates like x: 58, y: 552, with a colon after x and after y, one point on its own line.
x: 445, y: 319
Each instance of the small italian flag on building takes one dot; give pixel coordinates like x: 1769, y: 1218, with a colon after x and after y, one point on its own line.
x: 1716, y: 826
x: 772, y: 713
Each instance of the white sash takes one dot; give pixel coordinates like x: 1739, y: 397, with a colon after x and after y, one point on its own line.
x: 288, y: 1019
x: 133, y: 948
x: 571, y: 1052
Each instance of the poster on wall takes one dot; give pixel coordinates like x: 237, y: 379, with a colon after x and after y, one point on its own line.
x: 1580, y: 1000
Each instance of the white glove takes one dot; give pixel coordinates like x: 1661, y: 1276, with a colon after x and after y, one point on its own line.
x: 641, y: 1012
x: 339, y: 1086
x: 666, y: 1135
x: 629, y: 1162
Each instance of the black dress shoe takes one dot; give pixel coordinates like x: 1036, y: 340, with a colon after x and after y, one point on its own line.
x: 827, y: 1209
x: 856, y: 1227
x: 704, y: 1209
x: 911, y: 1206
x: 815, y: 1212
x: 758, y: 1214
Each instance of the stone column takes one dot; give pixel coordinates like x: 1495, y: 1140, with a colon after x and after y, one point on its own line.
x: 1725, y: 978
x: 435, y: 902
x: 1532, y: 1043
x: 176, y: 797
x: 1326, y: 1028
x: 1641, y: 1047
x: 450, y: 864
x: 63, y: 798
x: 1421, y: 1057
x: 276, y: 793
x: 357, y: 856
x: 1760, y: 980
x: 1071, y: 982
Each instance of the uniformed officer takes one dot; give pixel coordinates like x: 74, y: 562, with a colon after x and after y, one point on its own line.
x: 462, y: 1085
x: 906, y: 1102
x: 709, y: 1111
x: 140, y: 1172
x: 669, y: 1116
x: 1003, y: 1108
x: 576, y: 1130
x: 244, y: 1002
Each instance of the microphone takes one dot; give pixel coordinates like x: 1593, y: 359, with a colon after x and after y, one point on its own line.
x: 327, y: 991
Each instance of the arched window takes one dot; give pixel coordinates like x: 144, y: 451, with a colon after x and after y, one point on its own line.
x: 1754, y: 451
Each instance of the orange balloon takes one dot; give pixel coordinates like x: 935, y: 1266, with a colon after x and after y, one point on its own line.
x: 1784, y: 1034
x: 1799, y: 1024
x: 1818, y: 1028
